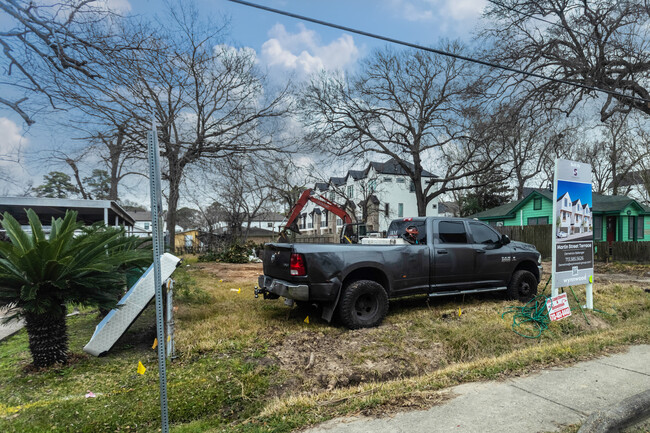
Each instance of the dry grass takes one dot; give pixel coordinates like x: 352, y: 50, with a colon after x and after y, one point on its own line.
x: 248, y: 364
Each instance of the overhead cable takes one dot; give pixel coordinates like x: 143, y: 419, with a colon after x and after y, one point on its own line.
x: 441, y: 52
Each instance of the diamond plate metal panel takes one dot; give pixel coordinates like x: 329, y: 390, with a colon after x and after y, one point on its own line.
x: 118, y: 320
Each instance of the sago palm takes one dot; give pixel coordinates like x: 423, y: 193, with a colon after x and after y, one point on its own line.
x: 40, y: 274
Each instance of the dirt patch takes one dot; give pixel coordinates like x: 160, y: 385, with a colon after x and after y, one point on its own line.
x: 344, y: 358
x: 631, y: 269
x: 231, y: 271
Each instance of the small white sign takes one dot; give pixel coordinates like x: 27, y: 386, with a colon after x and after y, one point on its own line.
x: 558, y: 307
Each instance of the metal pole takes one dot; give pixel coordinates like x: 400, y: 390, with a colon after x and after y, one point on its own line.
x: 156, y: 220
x: 554, y: 291
x: 590, y: 293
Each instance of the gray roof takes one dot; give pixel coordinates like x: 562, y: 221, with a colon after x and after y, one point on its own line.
x: 88, y: 211
x: 448, y: 206
x: 357, y: 174
x: 140, y: 215
x: 392, y: 166
x: 637, y: 177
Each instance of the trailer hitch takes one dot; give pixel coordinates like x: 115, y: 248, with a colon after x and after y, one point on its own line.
x: 265, y: 293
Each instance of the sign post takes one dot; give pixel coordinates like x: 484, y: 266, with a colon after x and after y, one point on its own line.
x: 573, y: 246
x: 156, y: 229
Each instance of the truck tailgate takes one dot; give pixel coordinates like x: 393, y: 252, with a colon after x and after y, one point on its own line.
x: 276, y: 260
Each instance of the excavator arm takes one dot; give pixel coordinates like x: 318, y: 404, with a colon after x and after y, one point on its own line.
x: 300, y: 204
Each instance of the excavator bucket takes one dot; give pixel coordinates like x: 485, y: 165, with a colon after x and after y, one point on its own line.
x: 284, y: 235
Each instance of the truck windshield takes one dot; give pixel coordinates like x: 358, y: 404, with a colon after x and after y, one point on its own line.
x: 398, y: 228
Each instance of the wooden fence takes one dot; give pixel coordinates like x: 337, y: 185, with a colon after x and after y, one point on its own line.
x: 540, y: 236
x: 622, y: 251
x: 316, y: 239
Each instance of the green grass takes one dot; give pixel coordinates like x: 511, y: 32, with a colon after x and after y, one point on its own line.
x: 227, y: 377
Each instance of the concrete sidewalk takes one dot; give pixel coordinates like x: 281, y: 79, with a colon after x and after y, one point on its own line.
x: 542, y: 402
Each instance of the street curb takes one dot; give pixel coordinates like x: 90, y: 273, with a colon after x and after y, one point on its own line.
x: 627, y: 413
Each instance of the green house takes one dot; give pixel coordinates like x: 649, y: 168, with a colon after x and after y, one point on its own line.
x: 615, y: 217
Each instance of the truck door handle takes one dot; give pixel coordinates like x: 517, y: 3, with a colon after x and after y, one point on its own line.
x: 441, y: 251
x: 480, y: 250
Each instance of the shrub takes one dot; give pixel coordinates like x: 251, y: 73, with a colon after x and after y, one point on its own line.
x: 41, y: 274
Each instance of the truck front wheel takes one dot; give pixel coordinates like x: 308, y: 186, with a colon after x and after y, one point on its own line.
x: 522, y: 286
x: 363, y: 304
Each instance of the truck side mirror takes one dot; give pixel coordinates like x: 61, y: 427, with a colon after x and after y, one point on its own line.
x: 505, y: 240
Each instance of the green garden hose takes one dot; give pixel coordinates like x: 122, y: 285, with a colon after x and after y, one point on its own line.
x: 533, y: 313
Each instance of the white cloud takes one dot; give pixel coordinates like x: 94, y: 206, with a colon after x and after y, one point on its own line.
x: 430, y: 10
x: 12, y: 144
x: 119, y: 6
x: 303, y: 53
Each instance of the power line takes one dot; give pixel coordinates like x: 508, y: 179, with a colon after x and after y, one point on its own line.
x: 440, y: 52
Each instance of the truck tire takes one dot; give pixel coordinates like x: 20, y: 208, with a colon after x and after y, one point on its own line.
x: 522, y: 286
x: 363, y: 304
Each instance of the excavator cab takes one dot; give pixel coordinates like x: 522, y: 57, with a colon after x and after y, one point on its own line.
x: 353, y: 233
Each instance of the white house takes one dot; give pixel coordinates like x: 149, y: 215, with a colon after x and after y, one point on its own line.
x: 573, y: 216
x: 271, y: 221
x: 383, y: 189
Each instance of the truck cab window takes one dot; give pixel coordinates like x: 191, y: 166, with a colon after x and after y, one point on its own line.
x: 398, y: 228
x: 483, y: 234
x: 452, y: 232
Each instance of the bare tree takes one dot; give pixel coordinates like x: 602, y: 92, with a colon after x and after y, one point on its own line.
x: 528, y: 135
x: 598, y: 43
x: 408, y: 105
x: 241, y: 194
x: 617, y: 153
x: 48, y: 41
x: 209, y: 100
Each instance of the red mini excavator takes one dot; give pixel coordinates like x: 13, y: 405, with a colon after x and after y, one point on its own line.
x: 350, y: 232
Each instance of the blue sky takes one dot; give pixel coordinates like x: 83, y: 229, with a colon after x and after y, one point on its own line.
x: 576, y: 191
x: 284, y: 46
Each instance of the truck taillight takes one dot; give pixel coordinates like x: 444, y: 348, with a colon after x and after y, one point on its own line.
x: 297, y: 265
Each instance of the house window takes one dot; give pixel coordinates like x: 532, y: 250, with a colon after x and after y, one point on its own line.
x: 537, y: 221
x: 331, y: 195
x: 566, y: 202
x: 269, y: 225
x: 387, y: 209
x: 372, y: 186
x: 598, y: 228
x: 339, y: 222
x: 350, y: 191
x: 146, y: 226
x: 630, y: 227
x: 640, y: 223
x: 411, y: 187
x: 388, y: 179
x: 401, y: 180
x: 327, y: 217
x: 400, y: 210
x: 537, y: 203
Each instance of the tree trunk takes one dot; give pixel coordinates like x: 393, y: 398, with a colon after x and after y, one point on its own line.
x: 420, y: 198
x: 172, y: 203
x: 48, y: 337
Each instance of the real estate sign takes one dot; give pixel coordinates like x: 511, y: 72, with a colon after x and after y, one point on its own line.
x: 573, y: 258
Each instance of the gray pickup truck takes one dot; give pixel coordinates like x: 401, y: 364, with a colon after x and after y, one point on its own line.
x: 449, y: 256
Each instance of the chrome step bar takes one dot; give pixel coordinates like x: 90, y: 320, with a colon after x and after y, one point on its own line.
x: 466, y: 292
